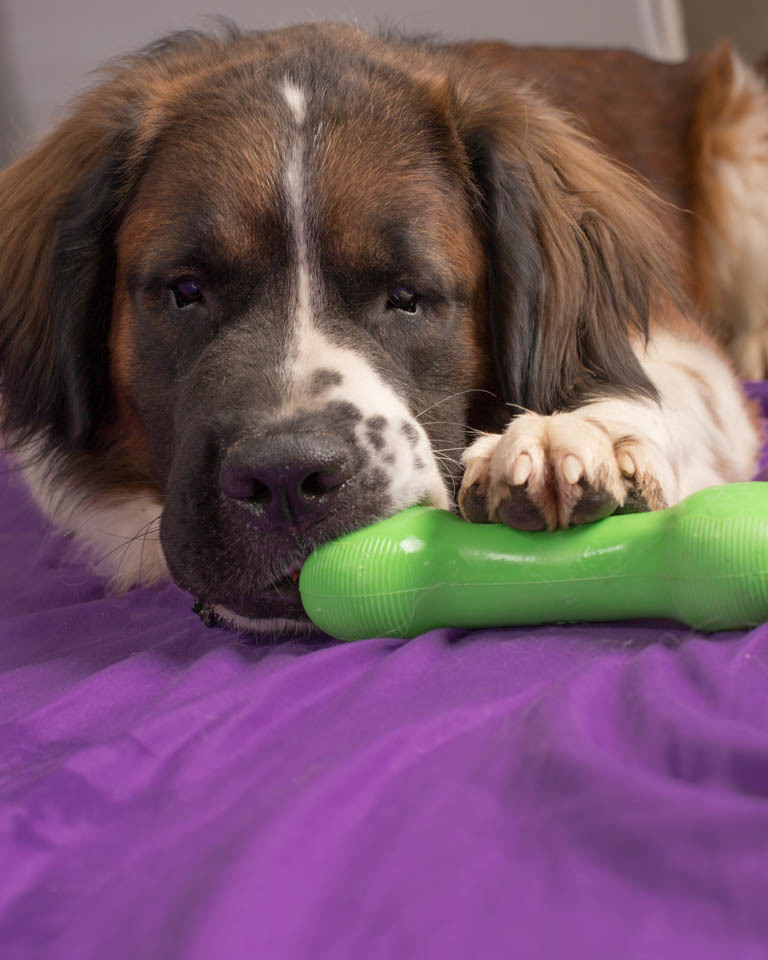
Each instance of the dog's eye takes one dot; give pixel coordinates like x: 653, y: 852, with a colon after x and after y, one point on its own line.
x: 403, y: 299
x: 186, y: 292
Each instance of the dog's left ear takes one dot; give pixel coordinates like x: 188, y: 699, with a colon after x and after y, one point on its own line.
x: 577, y: 260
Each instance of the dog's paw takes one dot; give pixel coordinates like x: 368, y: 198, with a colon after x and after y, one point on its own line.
x: 557, y: 471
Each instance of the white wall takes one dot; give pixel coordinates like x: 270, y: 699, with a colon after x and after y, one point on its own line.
x: 48, y: 46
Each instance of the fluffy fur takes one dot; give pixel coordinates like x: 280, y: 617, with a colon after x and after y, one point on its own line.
x: 261, y: 289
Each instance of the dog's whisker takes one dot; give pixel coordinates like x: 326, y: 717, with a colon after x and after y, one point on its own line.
x: 473, y: 431
x: 128, y: 540
x: 452, y: 396
x: 450, y: 472
x: 519, y: 406
x: 442, y: 458
x: 120, y: 548
x: 453, y: 485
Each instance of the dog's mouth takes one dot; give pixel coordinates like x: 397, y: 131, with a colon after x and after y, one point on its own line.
x: 280, y: 599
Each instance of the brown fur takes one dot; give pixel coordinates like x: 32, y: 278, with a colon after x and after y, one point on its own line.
x: 724, y: 107
x: 709, y: 138
x: 600, y: 264
x: 639, y: 110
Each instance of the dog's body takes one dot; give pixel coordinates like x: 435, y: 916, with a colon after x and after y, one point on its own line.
x: 260, y: 289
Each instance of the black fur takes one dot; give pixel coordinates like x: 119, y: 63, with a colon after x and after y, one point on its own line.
x: 60, y: 390
x: 603, y: 362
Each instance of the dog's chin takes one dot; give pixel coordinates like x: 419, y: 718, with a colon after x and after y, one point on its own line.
x: 280, y: 601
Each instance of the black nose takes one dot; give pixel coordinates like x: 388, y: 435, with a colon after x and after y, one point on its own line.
x: 285, y: 479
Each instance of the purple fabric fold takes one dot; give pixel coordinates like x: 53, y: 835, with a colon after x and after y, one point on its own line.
x: 167, y: 791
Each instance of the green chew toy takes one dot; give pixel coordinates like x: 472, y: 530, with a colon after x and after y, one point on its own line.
x: 703, y: 562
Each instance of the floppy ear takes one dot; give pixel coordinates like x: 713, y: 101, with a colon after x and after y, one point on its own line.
x: 577, y: 258
x: 58, y: 211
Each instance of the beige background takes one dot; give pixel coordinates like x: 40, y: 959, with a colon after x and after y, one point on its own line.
x: 48, y: 46
x: 745, y: 21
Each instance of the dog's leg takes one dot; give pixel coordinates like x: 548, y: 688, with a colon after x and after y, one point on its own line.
x: 615, y: 454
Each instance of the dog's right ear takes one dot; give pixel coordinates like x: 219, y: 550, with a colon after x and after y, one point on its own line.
x: 59, y: 206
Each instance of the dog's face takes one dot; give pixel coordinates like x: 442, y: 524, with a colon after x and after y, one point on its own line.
x: 300, y: 280
x: 261, y: 279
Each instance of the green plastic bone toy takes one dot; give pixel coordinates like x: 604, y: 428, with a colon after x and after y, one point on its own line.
x: 703, y: 562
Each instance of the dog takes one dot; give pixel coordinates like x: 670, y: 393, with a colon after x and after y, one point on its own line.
x: 261, y: 289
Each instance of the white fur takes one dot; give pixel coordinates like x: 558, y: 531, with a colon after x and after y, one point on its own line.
x: 295, y: 191
x: 270, y: 625
x: 120, y: 536
x: 363, y: 387
x: 296, y: 100
x: 696, y: 443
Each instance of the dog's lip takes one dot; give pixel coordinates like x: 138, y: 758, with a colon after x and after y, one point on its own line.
x: 285, y: 586
x: 282, y: 599
x: 279, y: 598
x: 293, y: 574
x: 287, y: 581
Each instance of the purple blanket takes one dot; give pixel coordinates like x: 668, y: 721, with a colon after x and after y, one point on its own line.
x: 173, y: 793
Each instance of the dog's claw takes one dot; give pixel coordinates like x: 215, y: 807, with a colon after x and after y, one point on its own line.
x: 522, y: 470
x: 626, y: 464
x: 572, y: 469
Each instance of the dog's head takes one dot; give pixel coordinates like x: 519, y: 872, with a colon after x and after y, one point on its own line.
x: 263, y: 278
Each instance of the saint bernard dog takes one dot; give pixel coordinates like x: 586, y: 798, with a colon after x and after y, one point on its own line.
x: 260, y: 289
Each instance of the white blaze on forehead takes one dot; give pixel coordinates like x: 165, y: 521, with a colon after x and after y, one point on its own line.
x: 296, y: 100
x: 310, y: 350
x: 296, y: 194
